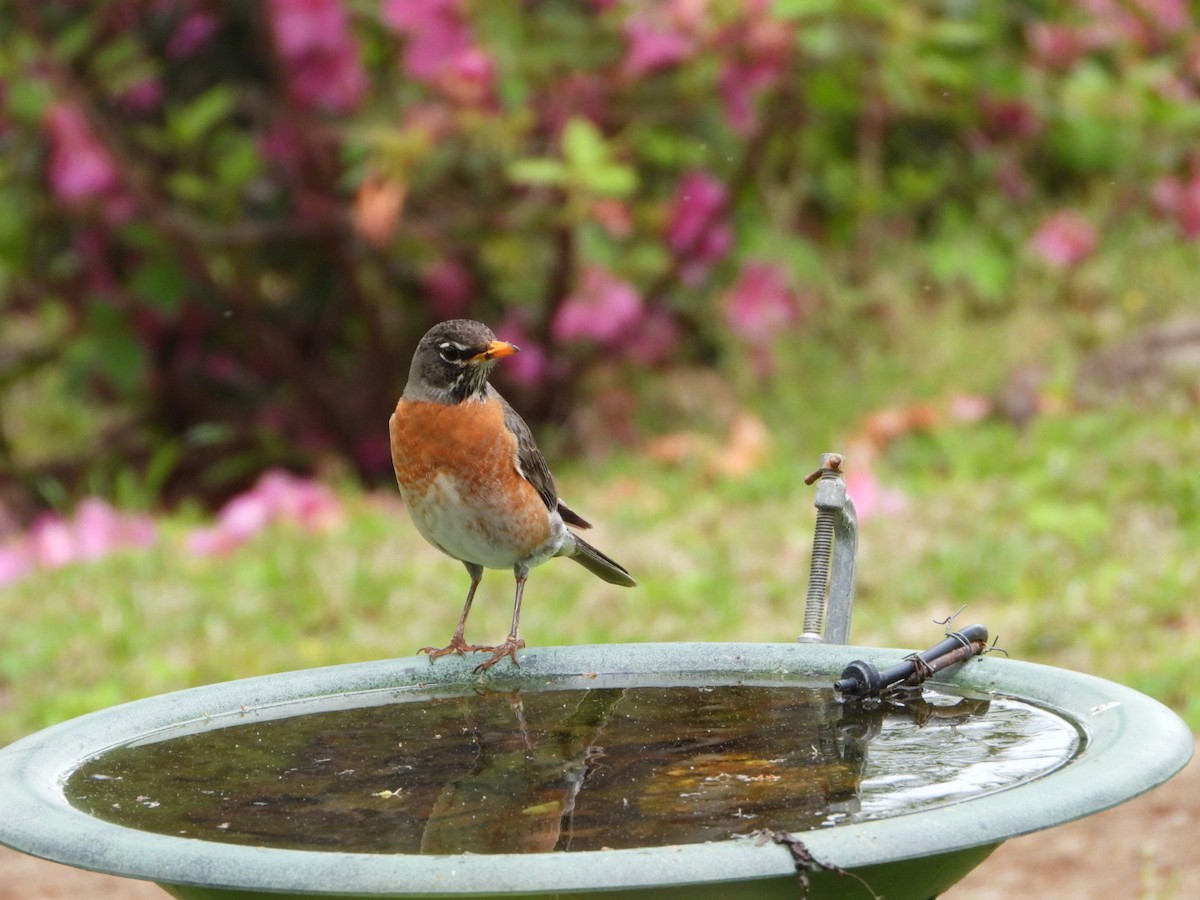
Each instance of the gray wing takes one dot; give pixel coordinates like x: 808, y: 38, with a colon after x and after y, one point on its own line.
x: 533, y: 466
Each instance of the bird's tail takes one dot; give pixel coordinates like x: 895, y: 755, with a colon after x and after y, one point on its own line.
x: 600, y: 565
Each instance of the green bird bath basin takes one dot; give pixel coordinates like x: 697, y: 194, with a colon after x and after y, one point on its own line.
x: 647, y: 770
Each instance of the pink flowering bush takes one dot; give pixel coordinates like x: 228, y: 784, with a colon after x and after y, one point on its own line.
x: 759, y: 308
x: 94, y: 531
x: 323, y: 66
x: 602, y: 308
x: 277, y: 496
x: 231, y: 222
x: 1064, y: 240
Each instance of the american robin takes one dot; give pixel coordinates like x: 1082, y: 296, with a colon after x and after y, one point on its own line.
x: 474, y: 481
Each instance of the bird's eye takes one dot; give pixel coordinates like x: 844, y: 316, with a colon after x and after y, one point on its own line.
x: 453, y: 353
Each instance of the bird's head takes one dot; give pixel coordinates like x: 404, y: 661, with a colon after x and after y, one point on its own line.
x: 453, y: 360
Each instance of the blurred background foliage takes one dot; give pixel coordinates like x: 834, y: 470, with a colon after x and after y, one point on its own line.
x: 955, y: 240
x: 224, y: 225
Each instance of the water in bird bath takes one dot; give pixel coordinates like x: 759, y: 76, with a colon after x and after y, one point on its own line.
x: 546, y: 769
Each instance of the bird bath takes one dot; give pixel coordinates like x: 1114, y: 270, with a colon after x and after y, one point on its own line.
x: 642, y: 770
x: 639, y: 770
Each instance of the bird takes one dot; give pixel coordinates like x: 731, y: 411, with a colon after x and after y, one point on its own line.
x: 473, y: 480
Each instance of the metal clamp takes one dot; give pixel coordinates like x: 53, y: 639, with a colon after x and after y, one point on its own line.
x: 830, y: 598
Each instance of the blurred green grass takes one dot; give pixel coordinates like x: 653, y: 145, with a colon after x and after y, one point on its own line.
x: 1060, y: 539
x: 1072, y: 539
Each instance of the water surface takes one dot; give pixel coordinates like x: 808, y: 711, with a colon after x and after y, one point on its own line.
x: 567, y: 770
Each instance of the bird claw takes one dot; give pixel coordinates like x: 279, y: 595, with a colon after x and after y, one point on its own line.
x: 456, y: 645
x: 509, y: 648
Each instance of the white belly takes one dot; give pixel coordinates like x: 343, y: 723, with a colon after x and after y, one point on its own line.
x: 478, y: 532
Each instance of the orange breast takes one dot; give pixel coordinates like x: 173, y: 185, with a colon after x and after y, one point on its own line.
x: 456, y: 466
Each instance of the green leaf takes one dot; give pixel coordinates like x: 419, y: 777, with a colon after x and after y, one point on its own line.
x: 116, y: 57
x: 74, y: 39
x: 237, y: 160
x: 189, y: 186
x: 28, y: 99
x: 583, y: 145
x: 990, y: 271
x: 110, y: 348
x: 537, y: 171
x: 122, y: 360
x: 188, y: 124
x: 611, y: 180
x: 956, y: 33
x: 981, y: 264
x: 160, y: 282
x: 799, y: 9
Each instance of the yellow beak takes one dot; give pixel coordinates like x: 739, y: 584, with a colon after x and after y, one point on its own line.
x: 495, y: 350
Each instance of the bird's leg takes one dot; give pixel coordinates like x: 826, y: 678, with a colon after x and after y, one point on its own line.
x: 512, y: 643
x: 457, y: 644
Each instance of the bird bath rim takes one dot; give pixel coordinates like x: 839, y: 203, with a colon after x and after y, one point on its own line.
x: 1131, y: 743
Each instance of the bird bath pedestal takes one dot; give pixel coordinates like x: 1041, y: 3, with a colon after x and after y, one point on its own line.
x: 694, y: 810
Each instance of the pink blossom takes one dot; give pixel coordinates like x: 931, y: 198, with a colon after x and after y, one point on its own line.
x: 653, y: 44
x: 756, y: 48
x: 277, y: 496
x: 1179, y: 199
x: 602, y: 309
x: 1064, y: 239
x: 93, y: 248
x: 332, y: 81
x: 80, y: 167
x: 303, y: 501
x: 245, y: 515
x: 760, y: 305
x: 51, y: 542
x: 99, y: 530
x: 1010, y: 119
x: 410, y: 16
x: 1169, y: 16
x: 969, y: 408
x: 95, y: 531
x: 319, y: 53
x: 870, y: 496
x: 468, y: 77
x: 655, y: 340
x: 209, y: 542
x: 440, y: 50
x: 1054, y: 46
x: 283, y: 145
x: 304, y: 26
x: 473, y: 65
x: 696, y: 228
x: 1191, y: 60
x: 145, y: 96
x: 740, y: 84
x: 531, y: 366
x: 193, y: 34
x: 613, y: 216
x: 434, y: 30
x: 700, y: 199
x: 448, y: 289
x: 15, y: 562
x: 577, y: 95
x: 1148, y: 25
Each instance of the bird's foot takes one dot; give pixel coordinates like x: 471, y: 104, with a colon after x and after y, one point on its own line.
x: 509, y: 648
x: 456, y: 645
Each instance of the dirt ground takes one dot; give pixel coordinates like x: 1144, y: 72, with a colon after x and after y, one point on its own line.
x: 1145, y: 849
